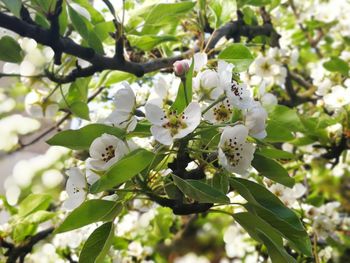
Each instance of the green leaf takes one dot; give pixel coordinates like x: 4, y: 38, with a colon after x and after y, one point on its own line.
x: 85, y: 29
x: 163, y: 14
x: 274, y: 153
x: 103, y: 29
x: 117, y: 76
x: 180, y: 101
x: 286, y: 117
x: 97, y: 245
x: 277, y: 133
x: 241, y: 3
x: 237, y: 54
x: 45, y: 6
x: 142, y: 130
x: 148, y: 42
x: 22, y: 230
x: 33, y: 203
x: 82, y: 138
x: 268, y: 207
x: 337, y: 65
x: 272, y: 170
x: 220, y: 182
x: 252, y: 224
x: 89, y: 212
x: 80, y: 109
x: 10, y: 51
x: 200, y: 191
x: 125, y: 169
x: 14, y: 6
x: 96, y: 16
x: 39, y: 217
x: 276, y: 253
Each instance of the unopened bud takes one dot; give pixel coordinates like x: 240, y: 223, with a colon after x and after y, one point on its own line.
x: 181, y: 67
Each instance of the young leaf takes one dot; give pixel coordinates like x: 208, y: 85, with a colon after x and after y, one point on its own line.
x: 82, y: 138
x: 148, y: 42
x: 14, y: 6
x: 277, y: 133
x: 162, y: 14
x: 85, y: 29
x: 337, y: 65
x: 89, y: 212
x: 268, y: 207
x: 272, y: 170
x: 252, y: 223
x: 200, y: 191
x: 237, y: 54
x: 33, y: 203
x: 274, y: 153
x: 98, y: 244
x: 286, y: 117
x: 125, y: 169
x: 276, y: 253
x: 80, y: 109
x: 10, y: 51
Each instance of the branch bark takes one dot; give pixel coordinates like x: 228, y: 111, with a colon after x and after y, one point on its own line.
x: 20, y: 251
x: 233, y: 29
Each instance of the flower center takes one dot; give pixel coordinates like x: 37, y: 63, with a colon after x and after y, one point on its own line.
x: 222, y: 113
x: 233, y: 151
x: 266, y: 66
x: 108, y: 154
x: 175, y: 123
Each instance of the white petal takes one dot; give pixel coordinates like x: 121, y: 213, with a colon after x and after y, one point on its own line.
x: 117, y: 117
x: 132, y: 124
x: 200, y: 60
x: 76, y: 179
x: 73, y: 202
x: 192, y: 117
x: 160, y: 87
x: 51, y: 110
x: 239, y: 131
x: 27, y: 68
x: 162, y: 135
x: 125, y: 98
x: 155, y: 114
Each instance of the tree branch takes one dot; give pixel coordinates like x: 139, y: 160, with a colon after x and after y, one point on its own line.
x: 233, y: 29
x: 23, y: 249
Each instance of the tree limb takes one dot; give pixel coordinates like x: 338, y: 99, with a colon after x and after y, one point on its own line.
x: 233, y: 29
x: 20, y: 251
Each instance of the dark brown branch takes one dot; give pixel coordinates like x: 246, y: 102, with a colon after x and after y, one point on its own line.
x: 237, y: 29
x: 233, y: 29
x: 55, y: 31
x: 180, y: 208
x: 20, y: 251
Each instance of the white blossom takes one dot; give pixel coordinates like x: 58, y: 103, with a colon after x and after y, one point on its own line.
x: 255, y: 120
x: 168, y: 125
x: 235, y: 153
x: 105, y: 151
x: 76, y: 188
x: 338, y: 98
x: 240, y: 95
x: 124, y: 114
x: 221, y: 112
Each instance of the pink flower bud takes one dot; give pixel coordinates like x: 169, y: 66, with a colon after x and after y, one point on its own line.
x: 181, y: 67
